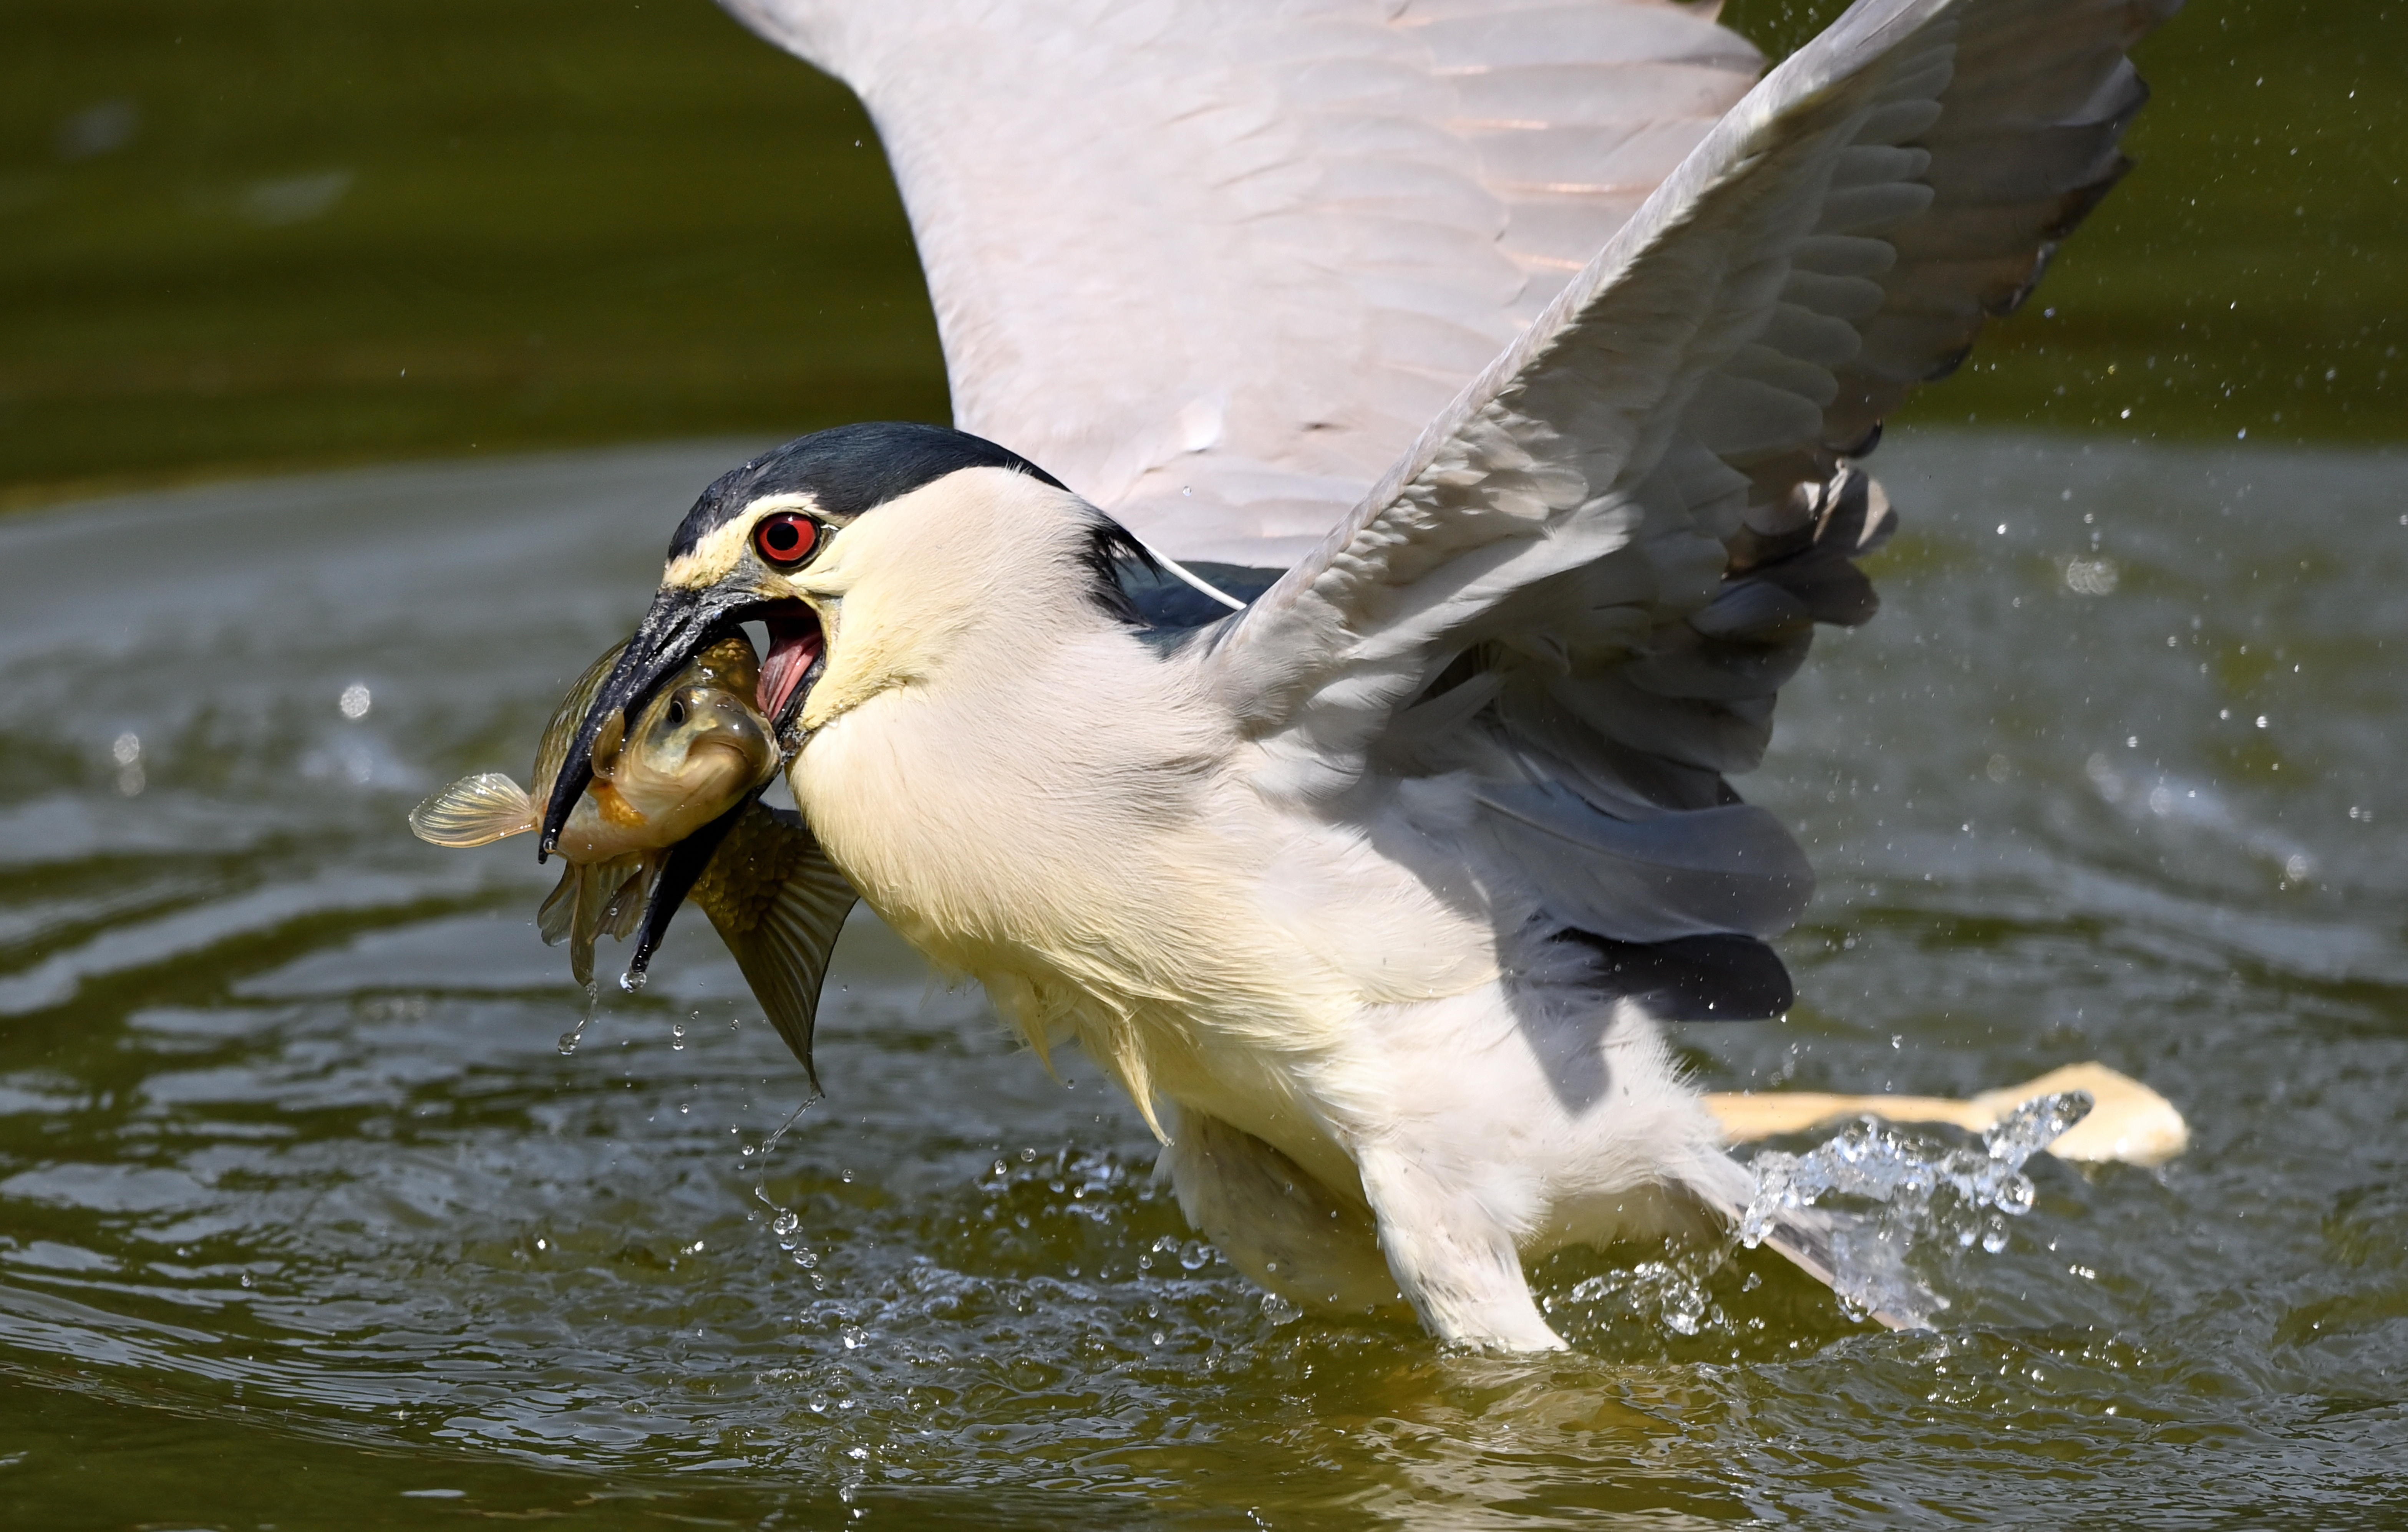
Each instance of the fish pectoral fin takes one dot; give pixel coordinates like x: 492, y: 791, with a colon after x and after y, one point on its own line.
x: 559, y: 909
x: 474, y: 811
x: 779, y: 904
x: 625, y: 911
x: 601, y: 886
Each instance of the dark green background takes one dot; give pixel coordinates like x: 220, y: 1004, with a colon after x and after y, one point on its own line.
x: 595, y: 221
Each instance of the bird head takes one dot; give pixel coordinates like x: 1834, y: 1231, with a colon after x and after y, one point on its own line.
x: 786, y: 541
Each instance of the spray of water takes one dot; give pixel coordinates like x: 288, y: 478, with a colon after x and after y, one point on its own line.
x: 1919, y: 1193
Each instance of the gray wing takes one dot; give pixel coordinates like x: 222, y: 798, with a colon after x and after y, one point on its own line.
x: 1586, y: 580
x: 1214, y: 264
x: 779, y: 905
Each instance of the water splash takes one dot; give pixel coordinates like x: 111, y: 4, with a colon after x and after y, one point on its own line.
x: 785, y: 1224
x: 792, y: 1117
x: 570, y: 1039
x: 1921, y: 1194
x: 1675, y: 1292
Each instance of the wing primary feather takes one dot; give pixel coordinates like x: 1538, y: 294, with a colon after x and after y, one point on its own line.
x: 1718, y: 977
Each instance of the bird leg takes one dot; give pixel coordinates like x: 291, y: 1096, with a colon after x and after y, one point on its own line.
x: 1455, y: 1260
x: 1275, y: 1222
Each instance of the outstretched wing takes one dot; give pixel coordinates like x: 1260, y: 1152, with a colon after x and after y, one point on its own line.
x: 1587, y: 578
x: 1214, y: 264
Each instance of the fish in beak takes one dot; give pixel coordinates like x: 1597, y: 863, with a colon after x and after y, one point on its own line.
x: 682, y: 624
x: 673, y: 811
x: 752, y: 549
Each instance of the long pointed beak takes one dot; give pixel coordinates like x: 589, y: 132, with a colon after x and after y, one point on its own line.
x: 681, y: 623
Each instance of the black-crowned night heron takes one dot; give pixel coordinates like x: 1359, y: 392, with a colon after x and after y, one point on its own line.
x: 1508, y: 364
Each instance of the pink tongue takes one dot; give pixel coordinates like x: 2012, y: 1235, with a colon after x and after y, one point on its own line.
x: 792, y: 647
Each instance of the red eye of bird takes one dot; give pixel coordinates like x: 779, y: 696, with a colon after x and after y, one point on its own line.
x: 786, y: 539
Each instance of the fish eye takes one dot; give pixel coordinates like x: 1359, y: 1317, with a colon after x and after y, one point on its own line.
x: 786, y: 539
x: 676, y: 714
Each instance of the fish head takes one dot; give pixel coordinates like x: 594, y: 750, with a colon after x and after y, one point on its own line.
x: 699, y: 747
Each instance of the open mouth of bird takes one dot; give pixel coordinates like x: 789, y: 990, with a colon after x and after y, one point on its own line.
x: 795, y: 647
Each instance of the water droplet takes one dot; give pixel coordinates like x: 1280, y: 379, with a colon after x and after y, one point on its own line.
x: 126, y: 748
x: 677, y: 1037
x: 569, y: 1038
x: 633, y: 980
x: 355, y: 701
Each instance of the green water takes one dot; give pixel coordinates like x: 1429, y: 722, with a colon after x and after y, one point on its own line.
x: 227, y: 231
x: 304, y: 1220
x: 304, y: 1217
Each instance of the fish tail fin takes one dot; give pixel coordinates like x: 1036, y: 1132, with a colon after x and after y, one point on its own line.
x: 473, y: 811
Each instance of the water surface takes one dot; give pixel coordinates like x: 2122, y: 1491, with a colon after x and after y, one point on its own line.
x: 305, y: 1220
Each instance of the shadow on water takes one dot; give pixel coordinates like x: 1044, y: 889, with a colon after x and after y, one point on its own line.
x: 293, y: 1178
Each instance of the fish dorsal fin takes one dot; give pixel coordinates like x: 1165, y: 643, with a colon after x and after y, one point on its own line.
x: 561, y: 730
x: 779, y: 904
x: 473, y: 811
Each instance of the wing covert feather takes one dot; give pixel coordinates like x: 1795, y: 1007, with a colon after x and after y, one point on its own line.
x: 1685, y: 404
x: 1623, y: 531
